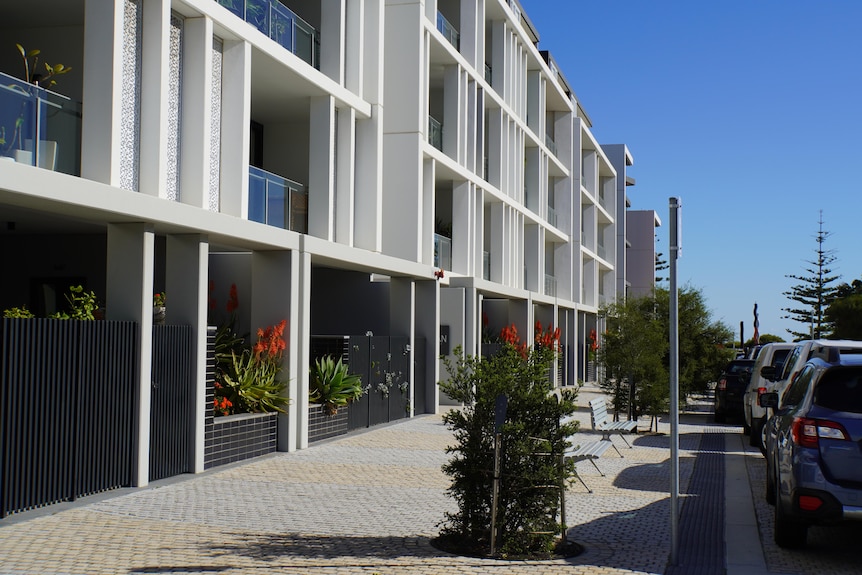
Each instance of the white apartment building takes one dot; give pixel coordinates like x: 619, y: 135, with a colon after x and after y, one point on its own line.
x: 328, y: 158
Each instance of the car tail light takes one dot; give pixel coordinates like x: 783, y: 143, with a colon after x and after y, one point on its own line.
x: 809, y: 503
x: 806, y: 431
x: 761, y: 391
x: 722, y: 383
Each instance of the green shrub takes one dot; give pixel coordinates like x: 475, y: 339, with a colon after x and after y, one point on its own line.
x: 532, y: 441
x: 331, y: 385
x: 18, y: 313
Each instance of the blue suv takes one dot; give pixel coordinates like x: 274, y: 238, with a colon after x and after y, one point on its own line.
x: 814, y: 448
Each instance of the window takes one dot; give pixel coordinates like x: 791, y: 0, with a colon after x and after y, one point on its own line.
x: 840, y: 389
x: 797, y: 390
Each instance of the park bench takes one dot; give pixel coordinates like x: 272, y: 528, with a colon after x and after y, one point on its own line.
x: 602, y: 423
x: 581, y: 451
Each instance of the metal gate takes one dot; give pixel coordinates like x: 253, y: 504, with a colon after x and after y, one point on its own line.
x: 172, y: 401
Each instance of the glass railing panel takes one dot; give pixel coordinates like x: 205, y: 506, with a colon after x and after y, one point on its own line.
x: 435, y: 133
x: 39, y: 127
x: 277, y: 201
x: 442, y: 252
x: 281, y: 24
x: 486, y: 265
x: 549, y: 142
x: 550, y: 285
x: 449, y: 32
x: 488, y: 74
x: 552, y: 216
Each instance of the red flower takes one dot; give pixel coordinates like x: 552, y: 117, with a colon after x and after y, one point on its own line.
x: 233, y: 300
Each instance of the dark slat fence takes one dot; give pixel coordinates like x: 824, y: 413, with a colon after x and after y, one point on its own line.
x: 67, y: 398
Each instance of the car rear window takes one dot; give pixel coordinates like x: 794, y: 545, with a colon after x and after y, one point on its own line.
x: 738, y: 366
x: 840, y: 389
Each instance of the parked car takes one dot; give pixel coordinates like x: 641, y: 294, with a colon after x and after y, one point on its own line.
x: 814, y: 448
x: 730, y: 389
x: 804, y: 351
x: 770, y: 362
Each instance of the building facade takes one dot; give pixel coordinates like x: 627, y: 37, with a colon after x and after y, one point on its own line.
x: 413, y: 170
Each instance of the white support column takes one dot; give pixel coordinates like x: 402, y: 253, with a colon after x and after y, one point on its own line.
x: 332, y: 39
x: 354, y: 54
x: 154, y: 97
x: 463, y: 219
x: 452, y: 112
x: 346, y: 170
x: 499, y: 252
x: 186, y: 282
x: 103, y: 92
x: 368, y: 204
x: 272, y: 288
x: 299, y: 350
x: 129, y: 296
x: 321, y: 153
x: 235, y: 127
x: 428, y: 216
x: 195, y: 139
x: 471, y: 28
x: 533, y: 258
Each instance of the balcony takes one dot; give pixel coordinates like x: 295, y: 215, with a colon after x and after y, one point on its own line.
x: 449, y: 32
x: 280, y: 23
x: 277, y: 201
x: 31, y: 114
x: 550, y: 285
x: 442, y: 252
x: 435, y: 133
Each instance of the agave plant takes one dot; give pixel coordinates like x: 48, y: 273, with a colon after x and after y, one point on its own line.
x: 254, y: 387
x: 331, y: 385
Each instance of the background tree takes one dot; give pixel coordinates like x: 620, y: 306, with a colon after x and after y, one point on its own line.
x: 764, y: 339
x: 845, y: 311
x: 815, y: 292
x: 632, y: 355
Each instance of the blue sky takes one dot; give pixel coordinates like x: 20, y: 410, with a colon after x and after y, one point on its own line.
x: 750, y: 111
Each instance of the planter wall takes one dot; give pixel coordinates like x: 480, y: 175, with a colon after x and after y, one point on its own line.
x: 321, y: 425
x: 235, y: 438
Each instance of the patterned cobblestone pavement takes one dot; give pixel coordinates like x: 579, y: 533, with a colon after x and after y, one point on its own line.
x: 364, y: 504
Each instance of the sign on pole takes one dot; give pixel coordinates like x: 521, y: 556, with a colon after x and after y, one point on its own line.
x: 675, y: 253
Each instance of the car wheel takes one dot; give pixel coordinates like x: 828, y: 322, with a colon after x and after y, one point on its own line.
x: 789, y: 533
x: 762, y: 434
x: 770, y: 484
x: 755, y: 439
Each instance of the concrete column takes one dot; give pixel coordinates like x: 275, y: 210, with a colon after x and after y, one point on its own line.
x: 533, y: 258
x: 272, y: 293
x: 372, y: 56
x: 428, y: 215
x: 186, y: 283
x: 332, y: 39
x: 154, y: 97
x: 463, y: 220
x: 129, y: 296
x: 453, y: 98
x: 235, y: 127
x: 497, y: 232
x: 368, y: 205
x: 346, y: 167
x: 428, y: 326
x: 195, y: 137
x: 472, y: 26
x: 321, y: 153
x: 354, y: 55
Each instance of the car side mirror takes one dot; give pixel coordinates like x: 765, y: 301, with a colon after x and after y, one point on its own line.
x: 769, y: 399
x: 768, y: 372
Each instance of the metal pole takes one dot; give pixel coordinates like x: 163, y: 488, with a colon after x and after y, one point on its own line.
x: 495, y: 493
x: 675, y: 249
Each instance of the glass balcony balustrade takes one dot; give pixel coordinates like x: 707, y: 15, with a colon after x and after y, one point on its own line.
x: 277, y: 201
x: 486, y: 266
x: 435, y: 133
x: 552, y: 216
x: 551, y: 144
x: 449, y: 32
x: 281, y: 24
x: 442, y: 252
x: 39, y: 127
x: 550, y: 285
x: 488, y: 75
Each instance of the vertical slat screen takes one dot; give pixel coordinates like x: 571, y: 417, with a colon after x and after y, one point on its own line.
x: 67, y: 392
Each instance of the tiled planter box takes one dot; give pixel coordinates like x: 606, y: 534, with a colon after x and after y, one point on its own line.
x: 237, y: 437
x: 322, y: 425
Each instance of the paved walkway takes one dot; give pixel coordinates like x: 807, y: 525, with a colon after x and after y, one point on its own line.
x: 369, y: 503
